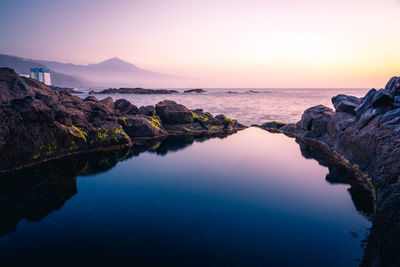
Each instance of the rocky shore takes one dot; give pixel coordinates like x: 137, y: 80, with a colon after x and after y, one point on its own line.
x: 39, y: 123
x: 365, y: 133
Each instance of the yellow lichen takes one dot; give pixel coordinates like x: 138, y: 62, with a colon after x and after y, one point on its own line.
x: 155, y: 122
x: 80, y: 133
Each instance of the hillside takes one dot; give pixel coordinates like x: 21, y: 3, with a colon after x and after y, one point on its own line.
x: 23, y: 66
x: 115, y: 72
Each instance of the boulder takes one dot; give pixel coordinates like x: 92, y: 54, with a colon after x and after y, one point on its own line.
x: 108, y: 101
x: 228, y: 123
x: 147, y: 110
x: 316, y: 119
x: 382, y: 98
x: 172, y: 113
x: 345, y: 103
x: 124, y: 107
x: 91, y: 98
x: 12, y: 85
x: 198, y: 91
x: 393, y: 86
x: 137, y: 126
x: 366, y: 102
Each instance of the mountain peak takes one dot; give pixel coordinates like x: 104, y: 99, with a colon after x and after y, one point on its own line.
x: 116, y: 62
x: 113, y: 59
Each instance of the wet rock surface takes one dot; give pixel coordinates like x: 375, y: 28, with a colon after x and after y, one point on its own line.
x: 39, y: 123
x: 366, y: 133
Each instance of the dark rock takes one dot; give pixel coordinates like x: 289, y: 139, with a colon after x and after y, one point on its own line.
x: 172, y: 113
x: 392, y: 117
x: 382, y: 98
x: 108, y: 101
x: 289, y: 128
x: 345, y: 103
x: 91, y: 98
x: 366, y: 102
x: 140, y: 91
x: 396, y: 103
x: 273, y: 125
x: 147, y: 110
x: 370, y: 142
x: 137, y: 126
x: 46, y: 123
x: 12, y: 85
x: 369, y: 115
x: 124, y: 107
x: 316, y: 119
x: 228, y: 123
x: 39, y: 123
x: 195, y: 91
x: 393, y: 86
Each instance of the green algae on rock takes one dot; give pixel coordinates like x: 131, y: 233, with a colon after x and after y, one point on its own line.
x: 39, y: 123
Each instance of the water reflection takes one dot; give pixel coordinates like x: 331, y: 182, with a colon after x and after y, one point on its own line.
x: 339, y: 174
x: 251, y: 199
x: 33, y: 193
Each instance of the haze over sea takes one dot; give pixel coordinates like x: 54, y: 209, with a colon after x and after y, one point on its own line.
x: 247, y: 105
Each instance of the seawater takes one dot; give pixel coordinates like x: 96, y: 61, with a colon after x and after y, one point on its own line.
x: 249, y: 106
x: 248, y: 199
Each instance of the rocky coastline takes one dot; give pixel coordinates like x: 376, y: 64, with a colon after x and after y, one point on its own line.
x: 39, y: 123
x: 360, y: 137
x: 365, y: 135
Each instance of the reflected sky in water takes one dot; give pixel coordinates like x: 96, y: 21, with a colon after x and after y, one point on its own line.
x: 248, y: 199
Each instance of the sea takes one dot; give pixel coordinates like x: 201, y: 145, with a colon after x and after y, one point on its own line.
x: 251, y: 198
x: 247, y: 105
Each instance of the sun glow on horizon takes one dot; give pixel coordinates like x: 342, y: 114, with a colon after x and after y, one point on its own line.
x: 232, y: 43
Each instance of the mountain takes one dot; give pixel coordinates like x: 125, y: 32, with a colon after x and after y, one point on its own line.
x: 115, y: 72
x: 23, y: 66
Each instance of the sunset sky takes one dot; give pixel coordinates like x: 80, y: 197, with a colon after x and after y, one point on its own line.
x: 230, y: 43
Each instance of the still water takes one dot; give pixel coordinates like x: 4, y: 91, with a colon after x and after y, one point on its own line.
x: 247, y: 199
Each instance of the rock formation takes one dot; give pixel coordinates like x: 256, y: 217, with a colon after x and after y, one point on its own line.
x: 366, y: 133
x: 39, y: 123
x: 195, y: 91
x: 139, y: 91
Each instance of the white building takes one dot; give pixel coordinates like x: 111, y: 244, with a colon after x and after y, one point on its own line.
x: 41, y: 75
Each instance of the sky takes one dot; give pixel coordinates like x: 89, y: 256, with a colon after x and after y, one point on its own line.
x: 229, y: 43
